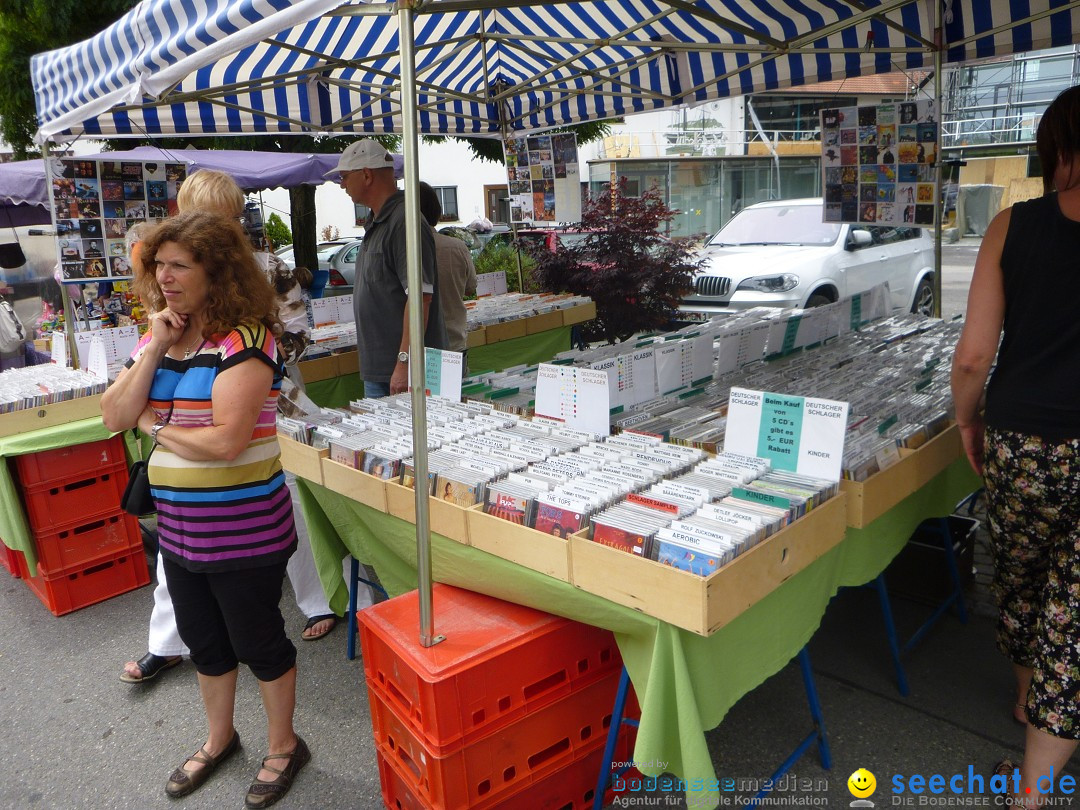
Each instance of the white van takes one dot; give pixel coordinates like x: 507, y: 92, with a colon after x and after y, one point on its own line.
x: 781, y: 254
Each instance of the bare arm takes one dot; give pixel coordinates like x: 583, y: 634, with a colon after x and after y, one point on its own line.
x: 399, y: 380
x: 237, y: 398
x: 124, y: 403
x: 978, y: 343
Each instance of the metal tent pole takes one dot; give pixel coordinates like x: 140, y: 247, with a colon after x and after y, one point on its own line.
x: 939, y: 43
x: 416, y: 318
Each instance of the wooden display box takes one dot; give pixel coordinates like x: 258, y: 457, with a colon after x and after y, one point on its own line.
x: 302, y: 460
x: 361, y: 487
x: 477, y: 337
x: 59, y: 413
x: 447, y: 519
x: 585, y: 312
x: 870, y: 499
x: 330, y: 366
x: 497, y: 332
x: 544, y: 322
x: 541, y: 552
x: 703, y: 605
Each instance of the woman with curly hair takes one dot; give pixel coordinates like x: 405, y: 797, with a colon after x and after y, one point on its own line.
x: 203, y: 382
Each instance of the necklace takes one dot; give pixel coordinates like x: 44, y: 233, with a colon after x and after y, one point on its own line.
x: 187, y: 351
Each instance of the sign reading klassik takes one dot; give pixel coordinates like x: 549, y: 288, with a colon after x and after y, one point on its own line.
x: 799, y: 434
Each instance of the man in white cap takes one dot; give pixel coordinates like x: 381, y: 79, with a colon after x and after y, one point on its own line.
x: 380, y: 292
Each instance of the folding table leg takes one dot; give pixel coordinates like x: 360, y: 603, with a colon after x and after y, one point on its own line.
x: 354, y: 575
x: 890, y: 632
x: 613, y: 736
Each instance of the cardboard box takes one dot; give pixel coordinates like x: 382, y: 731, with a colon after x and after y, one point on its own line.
x: 302, y: 460
x: 59, y: 413
x: 703, y: 605
x: 585, y: 312
x: 544, y: 323
x: 447, y: 519
x: 352, y: 483
x: 541, y: 552
x: 477, y: 337
x: 870, y: 499
x: 497, y: 332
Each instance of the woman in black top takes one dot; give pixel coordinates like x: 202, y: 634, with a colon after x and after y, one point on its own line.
x: 1025, y: 292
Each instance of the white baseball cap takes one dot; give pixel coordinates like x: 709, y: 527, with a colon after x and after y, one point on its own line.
x: 365, y: 154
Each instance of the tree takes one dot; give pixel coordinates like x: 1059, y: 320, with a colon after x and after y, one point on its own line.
x: 277, y: 232
x: 636, y: 276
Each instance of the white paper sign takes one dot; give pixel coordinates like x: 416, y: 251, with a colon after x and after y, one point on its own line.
x: 442, y: 373
x: 491, y: 284
x: 576, y: 397
x: 59, y: 349
x: 96, y: 363
x: 118, y: 343
x: 334, y: 309
x: 800, y: 434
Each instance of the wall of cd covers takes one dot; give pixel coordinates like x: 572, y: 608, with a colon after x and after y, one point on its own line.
x: 94, y: 204
x: 878, y: 163
x: 542, y: 176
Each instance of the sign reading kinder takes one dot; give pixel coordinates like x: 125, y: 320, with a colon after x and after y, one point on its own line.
x: 974, y: 789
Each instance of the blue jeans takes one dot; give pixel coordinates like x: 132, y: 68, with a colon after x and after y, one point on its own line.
x: 376, y: 390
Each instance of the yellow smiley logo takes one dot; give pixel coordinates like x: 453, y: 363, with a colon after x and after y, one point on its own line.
x: 861, y: 783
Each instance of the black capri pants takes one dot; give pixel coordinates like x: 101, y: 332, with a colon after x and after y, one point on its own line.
x: 231, y: 616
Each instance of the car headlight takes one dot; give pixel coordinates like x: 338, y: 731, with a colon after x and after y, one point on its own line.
x: 770, y: 284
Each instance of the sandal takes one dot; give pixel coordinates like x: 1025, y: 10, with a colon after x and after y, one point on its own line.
x: 1004, y: 768
x: 150, y: 665
x: 1022, y: 708
x: 181, y: 783
x: 314, y: 620
x: 263, y: 794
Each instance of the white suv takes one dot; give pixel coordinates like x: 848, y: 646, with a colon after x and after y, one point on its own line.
x: 781, y: 254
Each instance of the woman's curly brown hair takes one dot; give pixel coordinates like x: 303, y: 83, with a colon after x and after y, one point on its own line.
x: 238, y: 290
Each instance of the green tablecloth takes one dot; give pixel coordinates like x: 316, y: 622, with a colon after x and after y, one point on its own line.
x: 531, y: 349
x: 684, y: 682
x: 336, y: 392
x: 14, y: 529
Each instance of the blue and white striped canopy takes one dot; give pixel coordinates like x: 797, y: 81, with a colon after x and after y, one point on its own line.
x: 317, y: 66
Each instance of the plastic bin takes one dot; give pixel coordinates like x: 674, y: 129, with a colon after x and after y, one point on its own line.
x: 101, y: 580
x: 11, y: 560
x: 75, y: 499
x: 73, y: 546
x: 500, y: 661
x: 69, y: 463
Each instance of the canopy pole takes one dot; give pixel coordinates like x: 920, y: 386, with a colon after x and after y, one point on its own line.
x: 939, y: 212
x: 504, y: 129
x: 65, y: 298
x: 417, y: 365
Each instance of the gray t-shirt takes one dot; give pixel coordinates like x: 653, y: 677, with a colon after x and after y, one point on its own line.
x: 380, y: 295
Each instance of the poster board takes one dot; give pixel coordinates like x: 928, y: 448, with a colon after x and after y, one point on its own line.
x: 543, y: 179
x: 96, y: 202
x: 878, y: 163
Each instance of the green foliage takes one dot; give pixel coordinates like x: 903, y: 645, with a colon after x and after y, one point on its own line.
x: 501, y: 255
x: 278, y: 232
x: 636, y: 277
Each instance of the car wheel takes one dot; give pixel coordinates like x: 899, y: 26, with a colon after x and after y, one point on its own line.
x: 924, y: 297
x: 818, y: 300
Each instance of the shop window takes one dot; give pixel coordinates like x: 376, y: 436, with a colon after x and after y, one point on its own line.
x: 448, y: 200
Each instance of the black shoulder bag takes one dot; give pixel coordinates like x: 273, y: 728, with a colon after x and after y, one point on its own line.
x: 137, y: 499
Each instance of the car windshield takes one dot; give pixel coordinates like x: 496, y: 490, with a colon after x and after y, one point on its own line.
x: 777, y: 225
x: 326, y: 252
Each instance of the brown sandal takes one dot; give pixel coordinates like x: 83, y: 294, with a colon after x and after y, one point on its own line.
x: 1023, y: 710
x: 263, y: 794
x: 181, y: 783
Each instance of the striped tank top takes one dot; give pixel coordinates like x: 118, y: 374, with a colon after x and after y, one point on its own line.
x: 220, y: 515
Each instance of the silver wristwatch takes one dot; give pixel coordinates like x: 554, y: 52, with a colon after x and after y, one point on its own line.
x: 155, y: 430
x: 403, y: 357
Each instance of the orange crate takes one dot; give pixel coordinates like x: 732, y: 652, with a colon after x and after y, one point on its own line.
x: 569, y: 788
x: 72, y: 547
x: 11, y: 560
x: 60, y: 503
x: 101, y: 580
x: 65, y: 463
x: 499, y: 662
x: 488, y: 771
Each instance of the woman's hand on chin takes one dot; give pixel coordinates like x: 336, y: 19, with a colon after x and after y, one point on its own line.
x: 168, y: 326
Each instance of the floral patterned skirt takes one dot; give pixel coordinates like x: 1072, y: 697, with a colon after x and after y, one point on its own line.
x: 1033, y: 510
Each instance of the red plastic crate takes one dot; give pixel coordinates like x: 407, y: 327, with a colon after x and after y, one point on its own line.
x: 11, y: 560
x: 485, y: 772
x: 571, y: 787
x: 103, y: 579
x: 73, y: 547
x: 500, y: 661
x: 67, y: 463
x: 61, y: 503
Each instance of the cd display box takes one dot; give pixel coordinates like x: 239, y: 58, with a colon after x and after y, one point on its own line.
x: 870, y: 499
x: 330, y: 366
x: 302, y: 460
x: 541, y: 552
x: 352, y: 483
x: 703, y: 605
x: 445, y: 518
x: 57, y: 413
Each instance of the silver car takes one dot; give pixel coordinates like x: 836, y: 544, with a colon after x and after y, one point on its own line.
x: 782, y: 254
x: 338, y: 257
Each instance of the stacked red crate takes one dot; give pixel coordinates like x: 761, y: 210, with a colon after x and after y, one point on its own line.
x: 11, y: 560
x: 514, y: 706
x: 88, y: 548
